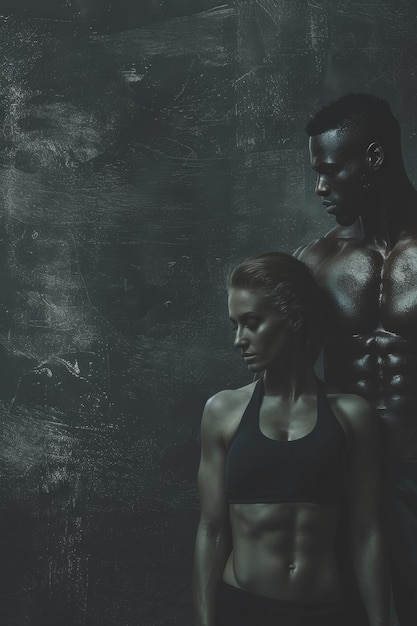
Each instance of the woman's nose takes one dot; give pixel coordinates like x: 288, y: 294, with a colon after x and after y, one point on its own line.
x: 240, y: 339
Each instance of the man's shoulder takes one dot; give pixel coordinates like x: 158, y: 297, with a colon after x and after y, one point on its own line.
x: 326, y: 246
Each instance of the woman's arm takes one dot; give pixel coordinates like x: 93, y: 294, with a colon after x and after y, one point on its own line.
x: 213, y: 543
x: 364, y: 476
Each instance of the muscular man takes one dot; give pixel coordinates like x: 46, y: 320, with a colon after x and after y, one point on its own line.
x: 367, y: 269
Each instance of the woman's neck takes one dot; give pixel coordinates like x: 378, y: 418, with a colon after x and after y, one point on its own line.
x: 291, y: 379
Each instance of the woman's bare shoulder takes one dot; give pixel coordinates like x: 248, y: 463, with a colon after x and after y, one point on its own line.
x: 353, y: 411
x: 229, y: 400
x: 224, y: 410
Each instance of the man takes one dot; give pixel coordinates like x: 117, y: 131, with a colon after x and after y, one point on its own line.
x: 367, y: 269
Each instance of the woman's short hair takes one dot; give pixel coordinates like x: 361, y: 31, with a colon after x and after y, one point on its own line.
x: 289, y: 288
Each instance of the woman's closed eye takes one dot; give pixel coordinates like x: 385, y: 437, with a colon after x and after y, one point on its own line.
x: 252, y: 323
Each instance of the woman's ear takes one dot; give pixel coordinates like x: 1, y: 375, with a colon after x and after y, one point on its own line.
x: 296, y: 321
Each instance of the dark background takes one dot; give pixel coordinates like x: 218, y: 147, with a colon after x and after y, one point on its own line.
x: 145, y: 146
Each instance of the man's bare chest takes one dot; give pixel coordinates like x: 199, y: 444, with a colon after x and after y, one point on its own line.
x: 364, y: 290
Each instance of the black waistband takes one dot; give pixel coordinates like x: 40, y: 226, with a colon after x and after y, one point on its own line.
x: 252, y: 600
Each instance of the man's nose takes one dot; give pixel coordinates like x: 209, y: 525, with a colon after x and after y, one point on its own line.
x: 322, y: 188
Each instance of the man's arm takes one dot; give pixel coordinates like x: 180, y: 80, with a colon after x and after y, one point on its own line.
x: 213, y: 542
x: 364, y: 483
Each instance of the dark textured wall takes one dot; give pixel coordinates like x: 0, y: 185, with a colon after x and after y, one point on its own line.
x: 143, y: 149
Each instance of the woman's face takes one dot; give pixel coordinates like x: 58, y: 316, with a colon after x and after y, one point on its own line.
x: 262, y: 335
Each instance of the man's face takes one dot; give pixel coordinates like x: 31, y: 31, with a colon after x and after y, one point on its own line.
x: 345, y: 180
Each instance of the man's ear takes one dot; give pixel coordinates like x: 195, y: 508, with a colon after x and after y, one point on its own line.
x: 375, y: 155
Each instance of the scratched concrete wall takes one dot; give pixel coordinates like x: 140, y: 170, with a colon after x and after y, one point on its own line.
x: 142, y: 151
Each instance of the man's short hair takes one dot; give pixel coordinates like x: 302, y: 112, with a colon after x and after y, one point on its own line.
x: 369, y: 115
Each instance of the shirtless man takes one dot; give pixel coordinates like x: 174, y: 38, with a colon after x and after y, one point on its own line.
x: 367, y: 269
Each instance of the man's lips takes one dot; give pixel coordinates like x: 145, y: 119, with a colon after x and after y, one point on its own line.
x: 247, y: 356
x: 330, y: 207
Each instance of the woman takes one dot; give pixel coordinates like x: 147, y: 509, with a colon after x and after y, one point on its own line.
x: 280, y: 459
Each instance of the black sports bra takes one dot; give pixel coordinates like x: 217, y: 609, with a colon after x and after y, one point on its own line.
x: 309, y: 469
